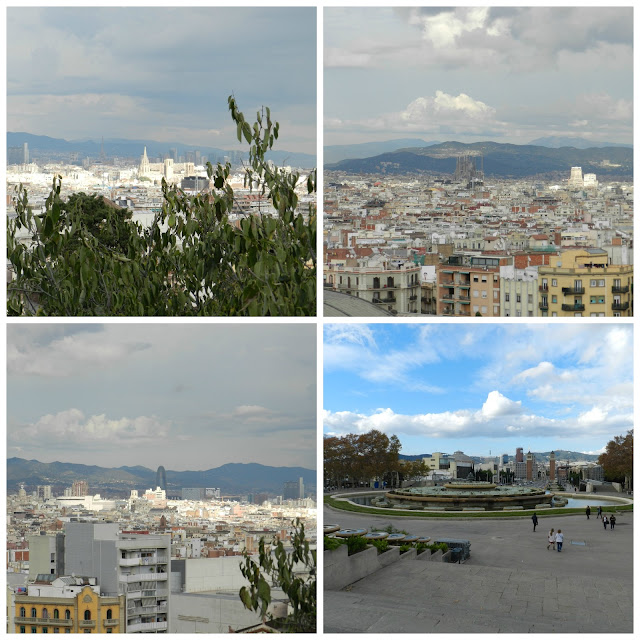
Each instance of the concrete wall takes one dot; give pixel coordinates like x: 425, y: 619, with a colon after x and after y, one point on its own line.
x: 213, y: 574
x: 341, y: 569
x: 209, y: 613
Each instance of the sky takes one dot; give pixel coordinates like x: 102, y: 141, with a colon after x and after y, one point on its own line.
x: 160, y: 73
x: 184, y: 396
x: 484, y: 389
x: 476, y: 73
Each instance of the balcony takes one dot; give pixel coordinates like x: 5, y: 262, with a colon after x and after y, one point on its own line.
x: 543, y: 287
x: 572, y: 291
x: 55, y: 622
x: 620, y: 306
x: 464, y: 285
x: 111, y: 622
x: 145, y: 627
x: 447, y: 283
x: 573, y: 307
x: 615, y: 289
x: 144, y: 577
x: 130, y: 562
x: 544, y: 306
x: 413, y: 297
x: 390, y: 299
x: 87, y: 624
x: 446, y: 296
x: 146, y: 611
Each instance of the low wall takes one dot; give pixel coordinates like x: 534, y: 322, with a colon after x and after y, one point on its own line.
x: 340, y: 569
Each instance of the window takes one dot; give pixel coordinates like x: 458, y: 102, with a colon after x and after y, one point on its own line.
x: 484, y: 278
x: 518, y: 313
x: 23, y: 629
x: 34, y: 629
x: 475, y: 293
x: 517, y: 297
x: 545, y: 284
x: 45, y: 612
x: 506, y: 297
x: 601, y: 283
x: 594, y: 283
x: 56, y: 629
x: 109, y: 630
x: 476, y: 308
x: 484, y: 294
x: 530, y: 298
x: 598, y: 314
x: 87, y: 614
x: 554, y: 299
x: 23, y: 612
x: 475, y: 278
x: 45, y: 629
x: 67, y: 614
x: 554, y: 282
x: 109, y: 614
x: 483, y: 310
x: 34, y: 613
x: 56, y: 614
x: 577, y: 315
x: 530, y: 314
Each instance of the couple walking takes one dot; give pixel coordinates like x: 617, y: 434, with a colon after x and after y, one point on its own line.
x: 555, y: 539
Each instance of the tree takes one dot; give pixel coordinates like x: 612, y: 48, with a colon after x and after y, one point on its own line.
x: 617, y: 460
x: 85, y: 257
x: 279, y: 568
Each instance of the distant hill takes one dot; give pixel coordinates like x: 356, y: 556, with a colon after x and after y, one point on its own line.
x: 230, y: 478
x: 337, y: 152
x: 579, y: 143
x: 561, y: 456
x: 123, y: 148
x: 500, y: 160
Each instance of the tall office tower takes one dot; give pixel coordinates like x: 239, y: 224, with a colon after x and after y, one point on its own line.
x: 79, y: 488
x: 133, y: 564
x: 197, y: 157
x: 552, y: 467
x: 161, y: 478
x: 173, y: 153
x: 519, y: 456
x: 44, y: 492
x: 25, y: 153
x: 301, y: 488
x: 529, y: 465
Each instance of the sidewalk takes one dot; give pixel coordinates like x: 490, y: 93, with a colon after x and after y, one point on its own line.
x: 510, y: 584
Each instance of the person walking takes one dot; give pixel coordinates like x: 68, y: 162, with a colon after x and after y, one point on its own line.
x: 552, y: 540
x: 612, y: 522
x: 605, y: 522
x: 588, y: 511
x: 599, y: 512
x: 559, y: 540
x: 534, y: 517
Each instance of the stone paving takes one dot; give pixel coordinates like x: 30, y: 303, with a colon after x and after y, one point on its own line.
x: 511, y: 583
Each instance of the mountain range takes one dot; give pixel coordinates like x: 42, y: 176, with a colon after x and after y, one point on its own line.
x: 337, y: 152
x: 116, y: 147
x: 232, y: 478
x: 499, y: 160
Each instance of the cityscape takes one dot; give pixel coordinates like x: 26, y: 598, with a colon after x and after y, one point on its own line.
x: 451, y: 401
x: 462, y: 189
x: 98, y: 540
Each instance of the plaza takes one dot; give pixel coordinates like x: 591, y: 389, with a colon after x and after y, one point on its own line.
x: 510, y: 584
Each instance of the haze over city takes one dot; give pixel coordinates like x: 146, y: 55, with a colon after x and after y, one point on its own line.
x: 190, y: 397
x: 160, y: 73
x: 476, y: 73
x: 482, y: 388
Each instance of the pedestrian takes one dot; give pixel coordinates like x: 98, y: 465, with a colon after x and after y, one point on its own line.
x: 559, y: 540
x: 552, y: 540
x: 534, y: 517
x: 588, y: 511
x: 605, y: 522
x: 612, y: 522
x: 599, y: 512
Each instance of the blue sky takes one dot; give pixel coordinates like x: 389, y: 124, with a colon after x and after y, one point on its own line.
x: 480, y: 388
x: 185, y: 396
x: 161, y: 73
x: 509, y: 74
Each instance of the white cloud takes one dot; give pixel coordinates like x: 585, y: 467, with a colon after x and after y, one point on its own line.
x: 73, y: 426
x: 497, y: 405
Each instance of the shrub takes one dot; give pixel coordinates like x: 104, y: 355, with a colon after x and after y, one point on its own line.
x: 356, y: 544
x: 381, y: 545
x: 332, y: 543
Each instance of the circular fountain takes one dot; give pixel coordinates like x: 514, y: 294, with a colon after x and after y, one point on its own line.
x: 466, y: 496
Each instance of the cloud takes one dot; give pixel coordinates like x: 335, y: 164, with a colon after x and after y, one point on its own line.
x: 72, y: 426
x: 64, y: 356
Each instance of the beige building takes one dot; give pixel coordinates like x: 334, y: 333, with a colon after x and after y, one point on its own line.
x: 392, y: 285
x: 468, y: 291
x: 581, y: 283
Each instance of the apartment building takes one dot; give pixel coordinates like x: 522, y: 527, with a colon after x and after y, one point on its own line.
x: 581, y: 283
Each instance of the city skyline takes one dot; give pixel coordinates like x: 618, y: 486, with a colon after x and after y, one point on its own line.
x: 477, y: 73
x: 161, y: 74
x: 188, y: 397
x: 480, y: 388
